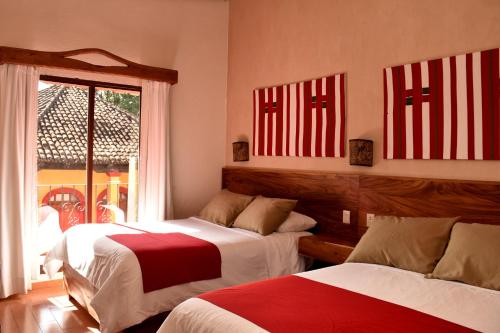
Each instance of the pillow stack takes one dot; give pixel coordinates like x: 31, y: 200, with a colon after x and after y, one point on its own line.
x: 410, y: 243
x: 225, y: 207
x: 437, y: 247
x: 259, y: 214
x: 265, y: 215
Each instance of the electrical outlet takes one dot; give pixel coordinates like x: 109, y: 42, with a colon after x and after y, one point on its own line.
x: 346, y: 216
x: 369, y: 219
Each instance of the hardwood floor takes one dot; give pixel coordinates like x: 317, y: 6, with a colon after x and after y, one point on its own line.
x: 46, y: 309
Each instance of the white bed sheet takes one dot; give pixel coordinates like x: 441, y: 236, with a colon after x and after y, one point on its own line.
x: 114, y: 270
x: 466, y: 305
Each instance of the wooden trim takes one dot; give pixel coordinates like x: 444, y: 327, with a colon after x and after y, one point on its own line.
x: 90, y: 152
x: 11, y: 55
x: 347, y: 173
x: 97, y: 84
x: 325, y: 248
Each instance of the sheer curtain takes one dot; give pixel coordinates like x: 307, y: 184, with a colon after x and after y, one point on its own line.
x: 18, y: 201
x: 155, y: 194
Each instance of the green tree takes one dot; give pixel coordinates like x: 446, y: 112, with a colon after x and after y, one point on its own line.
x: 125, y: 101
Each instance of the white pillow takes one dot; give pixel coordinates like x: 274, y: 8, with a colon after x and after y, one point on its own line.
x: 296, y: 222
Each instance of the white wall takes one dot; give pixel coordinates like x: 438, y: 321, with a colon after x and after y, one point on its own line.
x: 272, y: 42
x: 187, y: 35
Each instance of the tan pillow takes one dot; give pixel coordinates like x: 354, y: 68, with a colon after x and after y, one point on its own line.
x: 410, y: 243
x: 472, y: 256
x: 225, y: 207
x: 296, y: 222
x: 265, y: 215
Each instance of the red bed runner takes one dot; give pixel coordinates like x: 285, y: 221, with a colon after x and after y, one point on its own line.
x: 170, y: 259
x: 295, y: 304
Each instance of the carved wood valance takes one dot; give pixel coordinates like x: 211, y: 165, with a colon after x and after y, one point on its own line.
x: 64, y: 60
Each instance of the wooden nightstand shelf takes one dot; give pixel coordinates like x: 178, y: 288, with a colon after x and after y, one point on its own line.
x: 326, y: 248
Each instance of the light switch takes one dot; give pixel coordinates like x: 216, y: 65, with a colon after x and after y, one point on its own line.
x: 346, y: 216
x: 369, y: 219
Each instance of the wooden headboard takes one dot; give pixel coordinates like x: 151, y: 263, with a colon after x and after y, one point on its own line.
x: 323, y: 195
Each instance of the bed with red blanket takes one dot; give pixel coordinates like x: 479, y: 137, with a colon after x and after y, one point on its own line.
x: 350, y: 297
x: 139, y: 270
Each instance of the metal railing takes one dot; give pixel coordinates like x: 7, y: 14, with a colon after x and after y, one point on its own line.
x: 70, y: 201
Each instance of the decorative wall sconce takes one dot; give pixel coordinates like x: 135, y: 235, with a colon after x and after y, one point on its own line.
x: 240, y: 151
x: 361, y: 152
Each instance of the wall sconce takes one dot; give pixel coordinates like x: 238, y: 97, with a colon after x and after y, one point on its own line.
x: 361, y: 152
x: 240, y: 151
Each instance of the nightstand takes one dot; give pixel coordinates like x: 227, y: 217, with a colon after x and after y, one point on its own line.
x: 326, y: 248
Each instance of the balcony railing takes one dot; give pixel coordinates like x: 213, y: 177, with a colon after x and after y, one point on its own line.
x: 112, y: 202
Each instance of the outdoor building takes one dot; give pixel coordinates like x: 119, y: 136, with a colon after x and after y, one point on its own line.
x: 62, y: 157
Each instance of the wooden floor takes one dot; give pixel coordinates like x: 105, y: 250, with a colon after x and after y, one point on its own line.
x: 46, y: 309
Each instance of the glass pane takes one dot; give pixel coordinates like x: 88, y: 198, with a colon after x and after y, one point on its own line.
x: 62, y: 159
x: 116, y: 155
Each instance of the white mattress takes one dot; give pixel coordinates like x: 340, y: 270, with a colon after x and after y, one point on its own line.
x: 466, y: 305
x: 114, y: 270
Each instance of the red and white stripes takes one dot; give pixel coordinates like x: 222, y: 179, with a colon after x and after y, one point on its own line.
x: 443, y: 109
x: 301, y: 119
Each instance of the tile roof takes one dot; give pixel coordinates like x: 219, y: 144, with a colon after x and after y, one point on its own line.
x: 62, y: 131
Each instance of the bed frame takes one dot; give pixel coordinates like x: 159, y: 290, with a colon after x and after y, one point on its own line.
x: 79, y: 289
x: 324, y: 195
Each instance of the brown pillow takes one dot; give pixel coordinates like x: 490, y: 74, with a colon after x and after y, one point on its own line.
x: 410, y: 243
x: 472, y: 256
x: 265, y: 215
x: 225, y: 207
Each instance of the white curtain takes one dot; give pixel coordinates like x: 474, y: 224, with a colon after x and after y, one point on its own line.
x: 18, y: 199
x: 155, y: 194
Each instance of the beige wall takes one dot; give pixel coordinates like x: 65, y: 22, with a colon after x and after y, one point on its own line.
x: 278, y: 41
x: 187, y: 35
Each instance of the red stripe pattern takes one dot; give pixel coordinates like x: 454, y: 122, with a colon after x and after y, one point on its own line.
x: 443, y: 108
x: 301, y: 119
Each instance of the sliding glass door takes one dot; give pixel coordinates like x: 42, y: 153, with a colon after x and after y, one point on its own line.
x: 62, y: 149
x: 115, y: 155
x: 88, y: 153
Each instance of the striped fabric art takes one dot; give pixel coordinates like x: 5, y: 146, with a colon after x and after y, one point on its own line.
x: 301, y: 119
x: 445, y: 109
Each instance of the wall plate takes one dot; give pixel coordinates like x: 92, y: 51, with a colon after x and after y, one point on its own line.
x: 346, y: 216
x: 369, y: 219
